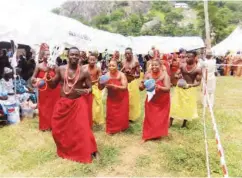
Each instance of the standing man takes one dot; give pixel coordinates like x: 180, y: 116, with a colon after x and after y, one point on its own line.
x: 83, y: 58
x: 238, y: 61
x: 210, y: 66
x: 184, y: 102
x: 70, y: 125
x: 228, y: 60
x: 97, y: 101
x: 131, y: 68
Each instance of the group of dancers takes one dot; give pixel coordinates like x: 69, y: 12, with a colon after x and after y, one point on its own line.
x: 70, y: 101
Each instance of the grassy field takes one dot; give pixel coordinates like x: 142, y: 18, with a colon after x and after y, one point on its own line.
x: 27, y: 152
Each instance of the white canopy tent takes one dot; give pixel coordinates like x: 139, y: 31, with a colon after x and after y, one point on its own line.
x: 232, y: 43
x: 30, y: 26
x: 165, y: 44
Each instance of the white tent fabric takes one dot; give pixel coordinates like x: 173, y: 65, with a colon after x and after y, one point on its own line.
x: 30, y: 26
x: 232, y: 43
x: 165, y: 44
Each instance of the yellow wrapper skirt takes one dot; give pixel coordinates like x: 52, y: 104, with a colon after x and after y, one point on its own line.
x: 97, y: 106
x: 134, y: 100
x: 184, y: 104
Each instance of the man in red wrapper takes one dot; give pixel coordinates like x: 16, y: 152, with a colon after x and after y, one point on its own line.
x: 70, y: 125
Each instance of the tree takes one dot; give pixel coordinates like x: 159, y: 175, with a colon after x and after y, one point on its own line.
x: 135, y: 24
x: 100, y: 20
x: 219, y: 18
x: 163, y: 6
x: 155, y: 30
x: 117, y: 15
x: 56, y: 11
x: 123, y: 28
x: 234, y: 6
x: 190, y: 30
x: 173, y: 18
x: 192, y: 4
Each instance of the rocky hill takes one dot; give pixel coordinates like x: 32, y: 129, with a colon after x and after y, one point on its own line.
x: 87, y: 10
x: 155, y: 17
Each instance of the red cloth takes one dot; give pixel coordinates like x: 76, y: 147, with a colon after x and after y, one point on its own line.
x: 165, y: 57
x: 157, y: 113
x: 117, y: 109
x: 71, y: 130
x: 166, y: 64
x: 44, y: 47
x: 89, y: 99
x: 46, y: 103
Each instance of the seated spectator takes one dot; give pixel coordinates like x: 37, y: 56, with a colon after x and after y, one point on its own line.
x: 4, y: 62
x: 7, y: 81
x: 22, y: 90
x: 6, y: 91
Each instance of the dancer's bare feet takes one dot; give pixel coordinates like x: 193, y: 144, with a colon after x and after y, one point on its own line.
x: 171, y: 121
x: 184, y: 125
x: 142, y: 141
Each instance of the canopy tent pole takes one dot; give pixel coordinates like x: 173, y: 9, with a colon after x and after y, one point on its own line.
x: 207, y: 27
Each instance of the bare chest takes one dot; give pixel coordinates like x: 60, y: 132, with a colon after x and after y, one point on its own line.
x: 72, y: 77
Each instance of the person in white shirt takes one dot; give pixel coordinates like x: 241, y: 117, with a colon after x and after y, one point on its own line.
x: 210, y: 67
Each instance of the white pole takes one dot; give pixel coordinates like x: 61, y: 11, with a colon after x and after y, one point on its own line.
x: 207, y: 27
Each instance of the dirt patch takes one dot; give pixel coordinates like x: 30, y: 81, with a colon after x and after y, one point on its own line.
x: 127, y: 160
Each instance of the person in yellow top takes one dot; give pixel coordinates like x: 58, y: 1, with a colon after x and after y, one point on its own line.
x: 97, y: 102
x: 131, y: 68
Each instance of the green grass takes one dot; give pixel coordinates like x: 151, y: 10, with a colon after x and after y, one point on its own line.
x: 25, y: 151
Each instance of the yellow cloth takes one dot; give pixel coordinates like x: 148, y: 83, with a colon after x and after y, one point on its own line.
x: 97, y: 105
x: 141, y: 77
x: 134, y: 100
x: 184, y: 104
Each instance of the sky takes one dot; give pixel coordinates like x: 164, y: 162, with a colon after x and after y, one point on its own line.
x: 41, y: 4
